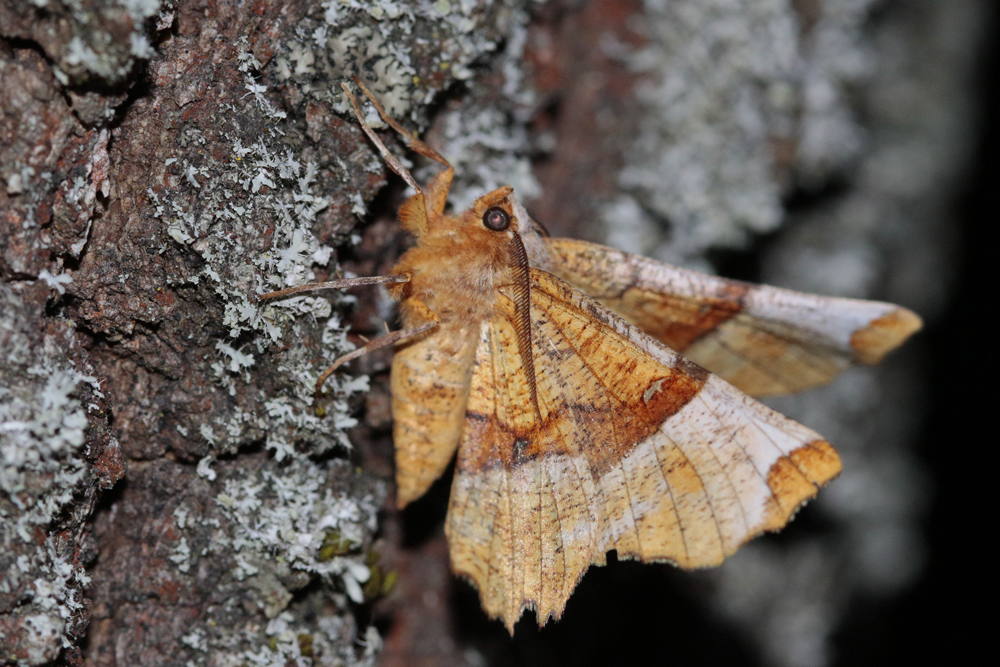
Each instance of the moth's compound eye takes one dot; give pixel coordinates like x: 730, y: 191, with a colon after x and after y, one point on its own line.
x: 496, y: 219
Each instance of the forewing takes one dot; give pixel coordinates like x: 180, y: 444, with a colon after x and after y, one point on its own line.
x: 633, y: 448
x: 765, y: 340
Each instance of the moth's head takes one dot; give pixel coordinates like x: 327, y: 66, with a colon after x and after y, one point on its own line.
x: 491, y: 222
x: 495, y: 219
x: 495, y: 212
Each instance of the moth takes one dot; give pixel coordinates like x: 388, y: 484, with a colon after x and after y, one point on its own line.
x: 596, y: 399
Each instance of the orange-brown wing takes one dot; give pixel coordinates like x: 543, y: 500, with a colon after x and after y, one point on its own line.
x: 430, y: 382
x: 632, y: 448
x: 765, y: 340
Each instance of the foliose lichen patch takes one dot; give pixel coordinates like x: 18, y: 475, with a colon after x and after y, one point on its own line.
x: 53, y: 425
x: 265, y: 540
x: 740, y: 102
x: 407, y: 51
x: 89, y: 41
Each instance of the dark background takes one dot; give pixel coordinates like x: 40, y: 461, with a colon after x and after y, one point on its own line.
x: 946, y: 615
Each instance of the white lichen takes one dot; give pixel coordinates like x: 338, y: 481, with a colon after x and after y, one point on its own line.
x: 181, y: 555
x: 43, y: 426
x: 93, y: 49
x: 40, y: 436
x: 204, y: 468
x: 217, y: 210
x: 723, y: 82
x: 196, y: 639
x: 286, y: 517
x: 58, y: 282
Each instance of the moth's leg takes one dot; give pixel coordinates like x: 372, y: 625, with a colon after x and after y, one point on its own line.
x: 437, y: 191
x: 413, y: 142
x: 344, y: 283
x: 422, y: 313
x: 417, y: 311
x: 389, y: 158
x: 432, y: 200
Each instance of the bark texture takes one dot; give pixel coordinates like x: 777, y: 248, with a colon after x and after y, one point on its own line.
x: 164, y: 164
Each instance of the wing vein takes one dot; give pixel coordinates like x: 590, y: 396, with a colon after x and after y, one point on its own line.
x: 708, y: 498
x: 562, y: 544
x: 807, y: 357
x: 725, y: 473
x: 670, y: 491
x: 595, y: 501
